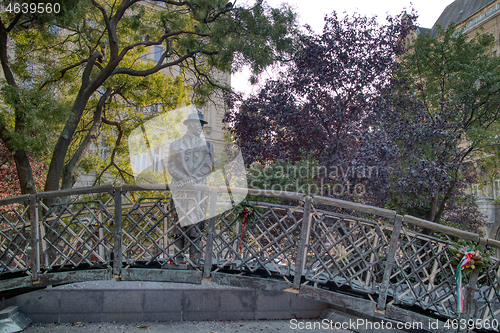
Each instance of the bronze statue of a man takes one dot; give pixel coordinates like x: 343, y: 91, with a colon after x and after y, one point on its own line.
x: 190, y: 162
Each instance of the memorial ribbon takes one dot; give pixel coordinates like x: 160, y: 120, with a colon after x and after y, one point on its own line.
x: 466, y: 259
x: 243, y: 223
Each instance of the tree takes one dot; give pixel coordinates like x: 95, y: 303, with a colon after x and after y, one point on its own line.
x: 9, y: 184
x: 444, y: 115
x: 93, y: 73
x: 22, y: 108
x: 328, y: 102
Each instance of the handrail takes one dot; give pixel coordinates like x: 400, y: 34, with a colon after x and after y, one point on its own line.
x: 265, y: 193
x: 13, y: 200
x: 74, y: 191
x: 355, y: 206
x: 450, y: 231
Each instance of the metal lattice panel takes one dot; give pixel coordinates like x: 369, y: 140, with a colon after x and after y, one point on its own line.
x: 14, y: 240
x: 267, y: 243
x: 76, y: 233
x: 346, y: 251
x: 151, y: 235
x: 424, y: 274
x: 486, y: 304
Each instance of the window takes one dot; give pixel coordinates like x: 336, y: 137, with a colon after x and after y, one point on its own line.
x: 496, y: 189
x: 156, y: 159
x: 475, y: 191
x: 102, y: 151
x: 140, y: 162
x: 158, y: 52
x: 155, y: 108
x: 30, y: 68
x: 54, y: 29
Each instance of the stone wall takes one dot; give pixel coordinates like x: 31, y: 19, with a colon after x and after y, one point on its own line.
x: 108, y: 301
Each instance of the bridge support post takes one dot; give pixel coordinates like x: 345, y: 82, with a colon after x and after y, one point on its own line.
x: 209, y: 248
x: 389, y: 262
x: 470, y: 290
x: 300, y: 259
x: 117, y: 234
x: 35, y: 239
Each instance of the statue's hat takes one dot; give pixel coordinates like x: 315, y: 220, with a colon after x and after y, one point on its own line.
x: 195, y: 116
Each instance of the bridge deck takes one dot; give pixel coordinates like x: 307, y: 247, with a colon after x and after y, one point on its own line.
x: 316, y: 247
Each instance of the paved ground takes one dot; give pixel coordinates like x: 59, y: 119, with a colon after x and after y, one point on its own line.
x: 261, y: 326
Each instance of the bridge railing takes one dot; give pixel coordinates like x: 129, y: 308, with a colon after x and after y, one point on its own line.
x: 130, y: 232
x: 348, y: 249
x: 15, y: 236
x: 424, y: 273
x: 75, y: 228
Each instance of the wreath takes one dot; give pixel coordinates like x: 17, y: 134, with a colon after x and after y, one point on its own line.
x: 246, y: 214
x: 467, y: 258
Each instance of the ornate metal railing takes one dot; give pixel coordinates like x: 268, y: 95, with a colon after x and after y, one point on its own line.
x: 131, y: 233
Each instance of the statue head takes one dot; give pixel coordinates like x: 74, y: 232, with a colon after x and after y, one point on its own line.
x: 195, y: 123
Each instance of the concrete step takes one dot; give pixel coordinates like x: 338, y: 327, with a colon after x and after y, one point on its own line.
x: 12, y: 320
x: 341, y: 320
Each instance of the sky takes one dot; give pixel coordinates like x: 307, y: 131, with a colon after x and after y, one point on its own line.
x: 312, y: 12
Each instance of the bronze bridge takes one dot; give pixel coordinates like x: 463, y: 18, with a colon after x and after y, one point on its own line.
x: 357, y: 257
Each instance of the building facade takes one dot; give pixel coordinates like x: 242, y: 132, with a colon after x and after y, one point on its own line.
x: 478, y: 17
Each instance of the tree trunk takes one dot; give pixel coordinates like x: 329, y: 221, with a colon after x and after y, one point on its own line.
x: 434, y: 202
x: 57, y: 162
x: 24, y: 172
x: 446, y: 197
x: 86, y: 90
x: 68, y: 176
x: 23, y: 166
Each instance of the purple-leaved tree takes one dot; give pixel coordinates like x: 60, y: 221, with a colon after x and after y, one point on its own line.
x: 329, y: 102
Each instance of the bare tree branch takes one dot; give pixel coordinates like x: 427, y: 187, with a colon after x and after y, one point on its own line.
x: 63, y: 72
x: 129, y: 71
x: 216, y: 16
x: 14, y: 22
x: 104, y: 14
x: 208, y: 78
x: 180, y: 3
x: 123, y: 7
x: 115, y: 149
x: 158, y: 42
x: 4, y: 59
x: 88, y: 69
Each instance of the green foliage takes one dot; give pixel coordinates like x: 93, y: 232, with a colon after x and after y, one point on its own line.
x: 284, y: 175
x: 257, y: 36
x: 41, y: 112
x: 448, y: 67
x: 57, y: 85
x: 445, y: 101
x: 248, y: 210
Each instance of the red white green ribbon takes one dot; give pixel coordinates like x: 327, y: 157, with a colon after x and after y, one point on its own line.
x: 458, y: 278
x: 243, y: 223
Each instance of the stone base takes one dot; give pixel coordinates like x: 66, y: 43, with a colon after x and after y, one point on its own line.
x: 136, y: 301
x: 11, y: 320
